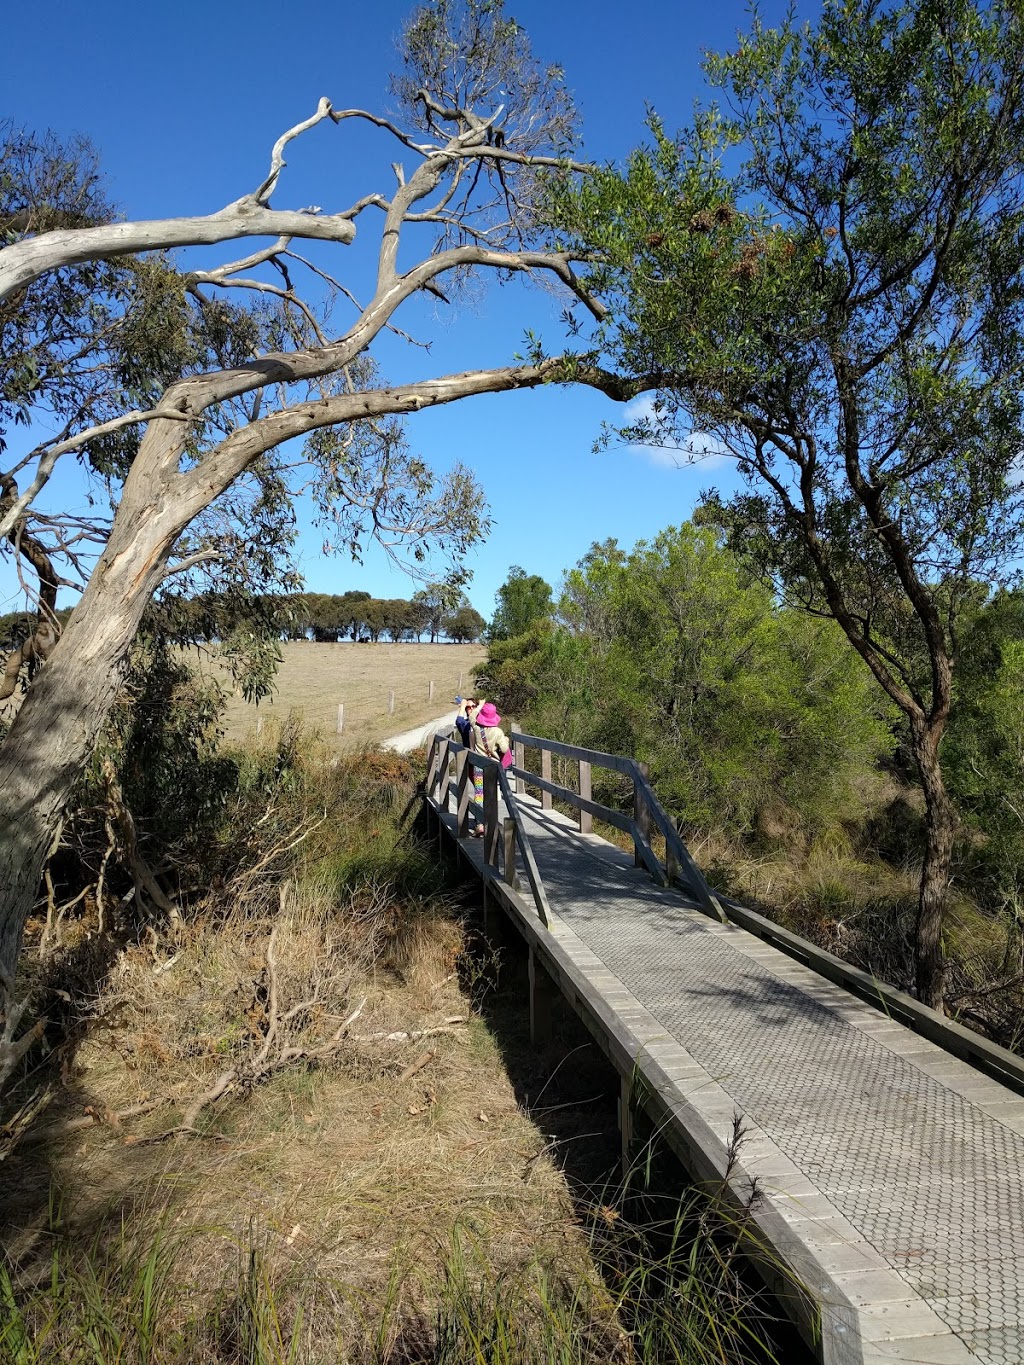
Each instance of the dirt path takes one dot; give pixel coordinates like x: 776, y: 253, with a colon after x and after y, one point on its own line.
x: 419, y: 738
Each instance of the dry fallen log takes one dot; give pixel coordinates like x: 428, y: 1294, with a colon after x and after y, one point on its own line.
x: 424, y: 1059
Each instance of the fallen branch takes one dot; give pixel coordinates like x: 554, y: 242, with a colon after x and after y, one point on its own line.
x: 95, y: 1117
x: 411, y: 1036
x: 417, y: 1066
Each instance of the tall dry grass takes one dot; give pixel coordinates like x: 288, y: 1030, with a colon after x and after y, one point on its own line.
x: 381, y: 1196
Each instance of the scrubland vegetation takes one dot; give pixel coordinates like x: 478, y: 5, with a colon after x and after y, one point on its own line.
x: 786, y: 767
x: 262, y: 1100
x: 301, y: 1119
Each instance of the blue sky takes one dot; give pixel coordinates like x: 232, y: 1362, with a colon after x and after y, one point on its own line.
x: 184, y: 101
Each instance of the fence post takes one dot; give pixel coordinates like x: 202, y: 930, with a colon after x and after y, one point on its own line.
x: 642, y: 816
x: 259, y: 726
x: 492, y: 831
x: 586, y: 819
x: 459, y: 688
x: 545, y: 772
x: 341, y: 716
x: 391, y: 703
x: 430, y: 690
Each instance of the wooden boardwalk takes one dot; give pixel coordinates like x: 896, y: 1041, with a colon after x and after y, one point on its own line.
x: 892, y: 1172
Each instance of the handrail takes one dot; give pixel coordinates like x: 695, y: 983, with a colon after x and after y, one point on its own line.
x: 973, y: 1048
x: 677, y: 850
x: 439, y: 772
x: 680, y: 864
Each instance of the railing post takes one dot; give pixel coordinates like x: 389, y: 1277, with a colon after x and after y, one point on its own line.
x: 586, y: 819
x: 545, y: 772
x: 463, y: 791
x: 432, y: 767
x: 672, y: 869
x: 508, y: 834
x: 492, y: 830
x: 442, y: 774
x: 641, y: 815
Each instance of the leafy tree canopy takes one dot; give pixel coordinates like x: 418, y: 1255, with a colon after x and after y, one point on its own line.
x: 522, y: 599
x: 746, y: 712
x: 825, y: 276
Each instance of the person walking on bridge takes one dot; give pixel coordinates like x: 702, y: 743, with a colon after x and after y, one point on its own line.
x: 470, y: 736
x: 493, y: 740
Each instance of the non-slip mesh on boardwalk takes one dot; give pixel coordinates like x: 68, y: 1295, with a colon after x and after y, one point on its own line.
x: 931, y: 1182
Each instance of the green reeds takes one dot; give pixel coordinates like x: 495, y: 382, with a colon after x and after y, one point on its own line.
x: 663, y: 1295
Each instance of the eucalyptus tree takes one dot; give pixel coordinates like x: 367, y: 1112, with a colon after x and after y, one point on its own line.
x: 522, y: 599
x: 465, y: 625
x: 479, y: 122
x: 827, y: 274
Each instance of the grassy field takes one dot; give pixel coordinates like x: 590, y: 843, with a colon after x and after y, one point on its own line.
x: 314, y: 679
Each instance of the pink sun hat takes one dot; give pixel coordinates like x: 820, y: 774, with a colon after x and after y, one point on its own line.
x: 487, y: 715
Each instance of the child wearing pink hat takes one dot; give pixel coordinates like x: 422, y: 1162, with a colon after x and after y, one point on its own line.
x: 493, y: 742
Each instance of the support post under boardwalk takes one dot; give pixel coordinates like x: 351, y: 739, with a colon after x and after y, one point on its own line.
x: 542, y: 999
x: 635, y: 1127
x: 625, y: 1122
x: 494, y: 919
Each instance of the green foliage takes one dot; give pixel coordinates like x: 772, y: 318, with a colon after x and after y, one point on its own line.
x: 162, y: 739
x: 522, y: 599
x: 673, y: 655
x: 843, y: 310
x: 826, y: 279
x: 464, y: 625
x: 516, y: 671
x: 983, y: 751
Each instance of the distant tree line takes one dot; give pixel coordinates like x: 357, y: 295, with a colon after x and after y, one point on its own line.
x: 323, y: 617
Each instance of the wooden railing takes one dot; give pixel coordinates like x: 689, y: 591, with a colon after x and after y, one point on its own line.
x: 501, y: 840
x: 501, y: 837
x: 971, y: 1047
x: 678, y: 868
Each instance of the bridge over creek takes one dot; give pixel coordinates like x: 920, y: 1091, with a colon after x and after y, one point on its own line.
x: 887, y: 1141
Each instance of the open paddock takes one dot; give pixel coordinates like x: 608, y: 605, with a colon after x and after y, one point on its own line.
x: 314, y: 678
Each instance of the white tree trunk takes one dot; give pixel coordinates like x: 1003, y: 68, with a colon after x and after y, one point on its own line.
x: 25, y: 261
x: 55, y: 730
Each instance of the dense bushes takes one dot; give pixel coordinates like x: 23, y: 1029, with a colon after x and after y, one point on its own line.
x: 984, y: 748
x: 748, y: 714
